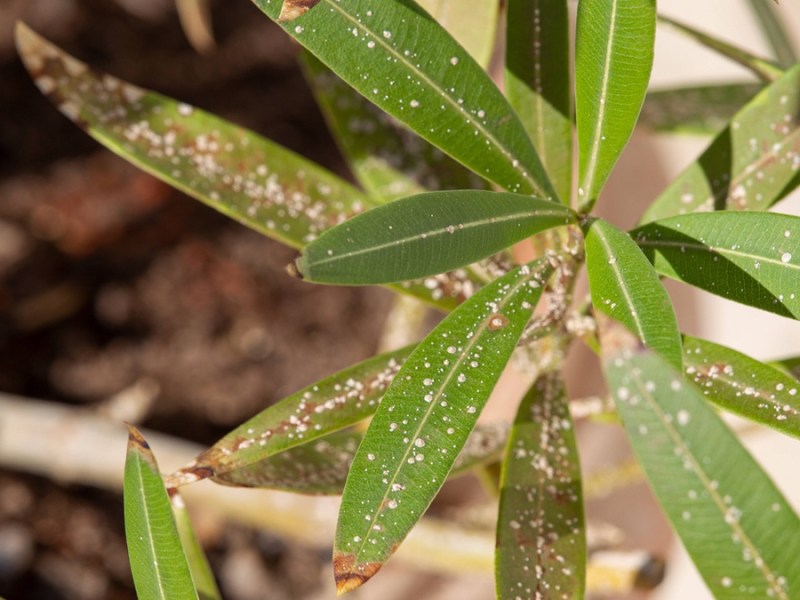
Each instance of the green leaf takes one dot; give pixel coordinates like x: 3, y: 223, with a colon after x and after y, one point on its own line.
x: 334, y: 403
x: 751, y: 165
x: 625, y: 286
x: 321, y: 467
x: 475, y: 29
x: 389, y: 160
x: 741, y: 533
x: 159, y: 565
x: 198, y: 563
x: 613, y: 58
x: 400, y: 58
x: 748, y: 257
x: 426, y: 234
x: 235, y: 171
x: 541, y: 499
x: 762, y: 68
x: 774, y: 33
x: 744, y: 386
x: 703, y: 110
x: 424, y: 421
x: 538, y: 82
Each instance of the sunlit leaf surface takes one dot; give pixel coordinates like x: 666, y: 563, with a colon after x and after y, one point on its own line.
x: 743, y: 385
x: 613, y: 58
x: 749, y: 257
x: 750, y: 165
x: 425, y: 419
x: 541, y: 541
x: 158, y: 562
x: 426, y: 234
x: 625, y: 286
x: 322, y: 408
x: 321, y: 467
x: 741, y: 533
x: 401, y: 59
x: 538, y: 85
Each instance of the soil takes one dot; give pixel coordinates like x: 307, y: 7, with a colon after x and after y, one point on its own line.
x: 109, y: 278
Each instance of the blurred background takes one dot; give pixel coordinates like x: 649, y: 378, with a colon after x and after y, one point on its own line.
x: 122, y: 299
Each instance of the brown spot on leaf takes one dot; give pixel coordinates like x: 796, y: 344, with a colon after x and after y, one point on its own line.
x: 497, y: 321
x: 292, y: 9
x: 136, y: 439
x: 349, y: 575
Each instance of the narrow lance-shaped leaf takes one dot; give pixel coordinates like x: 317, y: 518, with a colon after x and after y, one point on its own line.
x: 625, y: 286
x: 426, y: 234
x: 158, y: 562
x: 750, y: 165
x: 235, y: 171
x: 761, y: 67
x: 774, y: 32
x: 541, y: 540
x: 703, y: 110
x: 748, y: 257
x: 537, y: 77
x: 424, y: 421
x: 475, y: 29
x: 322, y: 408
x: 613, y: 59
x: 202, y: 575
x: 400, y: 58
x: 389, y: 160
x: 741, y: 533
x: 744, y: 386
x: 321, y: 467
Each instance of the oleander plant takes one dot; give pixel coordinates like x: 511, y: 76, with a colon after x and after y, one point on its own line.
x: 480, y: 203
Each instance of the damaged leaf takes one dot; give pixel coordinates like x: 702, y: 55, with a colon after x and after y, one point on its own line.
x: 541, y: 539
x: 292, y: 9
x: 425, y: 419
x: 318, y: 410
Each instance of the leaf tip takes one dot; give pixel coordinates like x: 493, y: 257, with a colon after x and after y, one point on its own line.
x: 136, y: 439
x: 27, y: 40
x: 292, y: 9
x: 349, y: 575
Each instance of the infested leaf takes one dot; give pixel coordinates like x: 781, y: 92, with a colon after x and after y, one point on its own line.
x: 389, y: 160
x: 744, y: 386
x: 625, y: 286
x: 762, y: 68
x: 613, y: 58
x: 541, y: 499
x: 750, y: 165
x: 202, y: 575
x: 426, y: 234
x: 158, y: 562
x: 748, y: 257
x: 703, y: 110
x: 318, y: 410
x: 401, y: 59
x: 538, y: 82
x: 321, y: 467
x: 742, y: 535
x: 424, y: 421
x: 240, y: 174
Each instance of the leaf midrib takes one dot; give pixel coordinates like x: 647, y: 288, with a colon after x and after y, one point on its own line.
x: 149, y: 534
x: 725, y: 252
x: 443, y: 231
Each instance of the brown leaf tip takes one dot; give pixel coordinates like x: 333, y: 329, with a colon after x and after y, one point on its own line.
x: 292, y: 9
x: 349, y: 575
x: 293, y: 270
x: 135, y: 438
